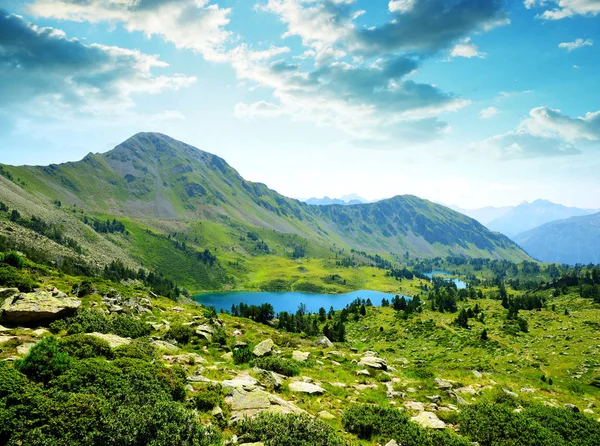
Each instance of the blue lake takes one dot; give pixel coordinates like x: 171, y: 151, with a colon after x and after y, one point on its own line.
x: 443, y: 274
x: 288, y: 301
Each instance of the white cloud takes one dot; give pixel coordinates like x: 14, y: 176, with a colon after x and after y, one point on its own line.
x: 466, y: 49
x: 488, y: 113
x: 579, y: 43
x: 546, y: 132
x: 188, y: 24
x: 257, y: 109
x: 565, y: 8
x: 401, y: 6
x: 45, y: 71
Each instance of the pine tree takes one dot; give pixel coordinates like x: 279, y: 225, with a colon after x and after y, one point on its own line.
x: 484, y: 335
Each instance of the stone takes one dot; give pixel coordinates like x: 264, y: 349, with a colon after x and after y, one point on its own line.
x: 7, y: 292
x: 415, y: 405
x: 272, y: 379
x: 442, y: 384
x: 178, y: 309
x: 572, y: 407
x: 527, y: 390
x: 205, y: 331
x: 217, y: 412
x: 227, y: 356
x: 263, y: 348
x: 477, y: 374
x: 300, y: 356
x: 391, y: 443
x: 323, y: 341
x: 3, y: 329
x: 40, y: 332
x: 164, y: 345
x: 247, y: 404
x: 112, y: 339
x: 24, y: 349
x: 302, y: 387
x: 38, y: 306
x: 467, y: 389
x: 510, y: 393
x: 5, y: 339
x: 435, y: 399
x: 363, y: 372
x: 260, y: 443
x: 241, y: 381
x: 373, y: 362
x: 184, y: 359
x: 325, y: 415
x: 428, y: 420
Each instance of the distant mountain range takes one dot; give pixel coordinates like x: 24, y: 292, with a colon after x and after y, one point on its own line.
x: 572, y: 240
x: 527, y: 216
x: 346, y: 200
x: 485, y: 215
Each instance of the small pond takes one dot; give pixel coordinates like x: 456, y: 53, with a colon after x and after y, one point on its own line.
x: 446, y: 275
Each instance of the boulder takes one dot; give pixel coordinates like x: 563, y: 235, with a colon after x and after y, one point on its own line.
x: 302, y: 387
x: 300, y: 356
x: 391, y: 443
x: 323, y: 341
x: 572, y: 407
x: 326, y: 415
x: 247, y: 404
x: 442, y: 384
x: 263, y: 348
x: 164, y: 345
x: 429, y: 420
x: 24, y: 349
x: 272, y: 379
x: 242, y: 381
x: 38, y: 306
x: 415, y: 405
x: 373, y: 362
x: 7, y: 292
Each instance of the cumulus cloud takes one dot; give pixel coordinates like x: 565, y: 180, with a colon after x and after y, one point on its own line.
x: 546, y: 132
x: 565, y: 8
x: 579, y: 43
x: 401, y: 6
x: 488, y: 113
x: 431, y: 25
x: 257, y: 109
x: 466, y: 49
x: 188, y: 24
x: 46, y: 70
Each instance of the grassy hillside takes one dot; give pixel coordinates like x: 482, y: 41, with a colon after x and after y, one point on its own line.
x: 127, y: 376
x: 175, y: 202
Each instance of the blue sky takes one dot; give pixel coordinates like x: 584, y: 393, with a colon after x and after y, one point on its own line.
x: 464, y: 102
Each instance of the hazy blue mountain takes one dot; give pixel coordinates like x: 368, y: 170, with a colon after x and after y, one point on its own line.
x: 344, y: 201
x: 573, y: 240
x: 485, y: 215
x: 531, y: 215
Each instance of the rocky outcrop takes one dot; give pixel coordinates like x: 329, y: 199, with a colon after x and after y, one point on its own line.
x: 263, y: 348
x: 39, y: 306
x: 300, y: 356
x: 250, y: 403
x: 112, y: 339
x: 429, y: 420
x: 323, y: 341
x: 303, y: 387
x: 374, y: 362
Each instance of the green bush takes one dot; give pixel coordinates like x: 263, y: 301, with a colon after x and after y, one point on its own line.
x: 369, y: 422
x: 140, y: 348
x: 13, y: 277
x: 289, y: 430
x: 498, y: 424
x: 180, y: 333
x: 242, y: 354
x: 208, y: 397
x: 57, y: 326
x: 287, y: 367
x: 45, y: 361
x: 82, y: 346
x: 84, y: 288
x: 90, y: 321
x: 129, y: 326
x: 12, y: 258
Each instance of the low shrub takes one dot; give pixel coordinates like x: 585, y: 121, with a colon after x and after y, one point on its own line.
x: 242, y: 354
x: 140, y: 348
x: 12, y: 258
x: 287, y: 367
x: 82, y: 346
x: 289, y: 430
x: 45, y: 361
x: 181, y: 333
x: 207, y: 398
x: 129, y: 327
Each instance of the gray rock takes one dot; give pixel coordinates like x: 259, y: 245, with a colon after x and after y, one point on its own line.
x: 166, y: 346
x: 37, y: 306
x: 323, y: 341
x: 442, y: 384
x: 263, y: 348
x: 112, y: 339
x: 302, y: 387
x: 391, y: 443
x: 572, y: 407
x: 300, y: 356
x: 429, y: 420
x: 325, y: 415
x: 373, y: 362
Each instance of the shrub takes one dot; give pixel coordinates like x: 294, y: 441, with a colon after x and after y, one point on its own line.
x: 12, y: 258
x: 289, y: 430
x: 82, y: 346
x: 287, y: 367
x: 242, y: 354
x: 180, y: 333
x: 84, y: 288
x: 57, y: 326
x: 207, y: 398
x: 367, y: 422
x: 129, y: 327
x: 138, y: 349
x: 91, y: 321
x: 13, y: 277
x: 219, y: 336
x: 45, y: 361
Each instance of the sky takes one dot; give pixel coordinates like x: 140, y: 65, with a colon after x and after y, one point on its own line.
x: 465, y: 102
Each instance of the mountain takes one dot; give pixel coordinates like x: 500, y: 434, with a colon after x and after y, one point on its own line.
x: 573, y: 240
x: 485, y: 215
x: 346, y: 200
x: 177, y: 201
x: 530, y: 215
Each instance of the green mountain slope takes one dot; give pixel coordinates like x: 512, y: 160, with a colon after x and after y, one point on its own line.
x: 573, y: 240
x: 177, y: 201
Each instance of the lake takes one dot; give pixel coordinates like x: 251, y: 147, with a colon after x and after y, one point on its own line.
x: 289, y: 300
x: 443, y: 274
